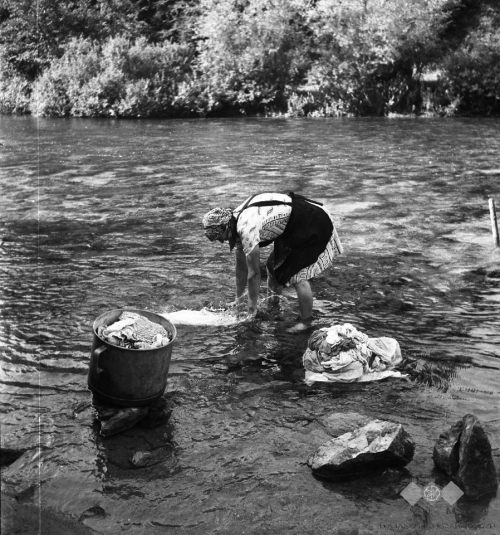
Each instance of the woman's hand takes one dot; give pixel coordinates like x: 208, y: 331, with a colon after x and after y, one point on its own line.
x: 252, y: 312
x: 239, y: 303
x: 247, y: 315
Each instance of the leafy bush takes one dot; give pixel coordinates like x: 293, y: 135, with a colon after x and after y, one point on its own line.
x: 248, y: 52
x: 141, y: 99
x: 313, y: 104
x: 14, y: 90
x: 299, y: 57
x: 60, y: 85
x: 117, y: 79
x: 97, y: 97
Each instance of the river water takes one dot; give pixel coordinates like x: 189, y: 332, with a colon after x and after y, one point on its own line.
x: 97, y: 215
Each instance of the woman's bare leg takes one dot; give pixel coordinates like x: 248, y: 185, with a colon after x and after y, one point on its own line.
x: 304, y: 293
x: 305, y: 296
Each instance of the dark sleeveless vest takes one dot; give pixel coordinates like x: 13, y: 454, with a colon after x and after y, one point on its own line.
x: 305, y: 237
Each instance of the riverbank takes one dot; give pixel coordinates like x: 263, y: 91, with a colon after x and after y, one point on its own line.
x: 20, y: 99
x: 218, y: 59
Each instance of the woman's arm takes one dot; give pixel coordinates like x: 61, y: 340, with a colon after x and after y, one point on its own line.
x: 253, y: 279
x: 241, y: 275
x: 248, y: 275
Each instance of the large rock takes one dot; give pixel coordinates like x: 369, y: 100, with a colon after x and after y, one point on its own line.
x: 338, y: 423
x: 464, y: 454
x: 379, y: 444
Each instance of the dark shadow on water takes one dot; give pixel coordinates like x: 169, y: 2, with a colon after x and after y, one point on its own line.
x: 471, y: 513
x: 384, y: 484
x: 468, y: 512
x: 435, y: 374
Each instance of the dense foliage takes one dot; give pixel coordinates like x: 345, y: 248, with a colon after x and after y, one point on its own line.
x: 144, y: 58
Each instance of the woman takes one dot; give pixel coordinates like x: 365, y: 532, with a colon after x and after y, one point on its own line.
x: 305, y: 244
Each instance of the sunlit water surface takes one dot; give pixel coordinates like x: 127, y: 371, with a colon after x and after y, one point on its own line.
x: 102, y: 214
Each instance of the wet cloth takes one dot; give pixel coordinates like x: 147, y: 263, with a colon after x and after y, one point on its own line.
x: 305, y: 239
x: 207, y: 317
x: 341, y: 353
x: 134, y: 331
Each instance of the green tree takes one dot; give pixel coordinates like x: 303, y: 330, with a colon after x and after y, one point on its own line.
x: 167, y: 19
x: 249, y: 52
x: 369, y: 51
x: 32, y: 33
x: 213, y: 57
x: 472, y: 69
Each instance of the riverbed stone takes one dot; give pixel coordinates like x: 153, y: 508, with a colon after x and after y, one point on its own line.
x: 377, y: 445
x: 338, y: 423
x: 122, y: 420
x: 445, y: 453
x: 114, y: 420
x: 464, y: 454
x: 9, y: 455
x: 142, y: 459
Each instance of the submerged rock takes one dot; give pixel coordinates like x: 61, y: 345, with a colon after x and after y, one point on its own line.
x: 141, y: 459
x: 377, y: 445
x: 464, y: 454
x: 9, y: 455
x: 122, y: 420
x: 115, y: 420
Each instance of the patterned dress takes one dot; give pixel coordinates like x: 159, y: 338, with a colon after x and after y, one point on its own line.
x: 263, y: 223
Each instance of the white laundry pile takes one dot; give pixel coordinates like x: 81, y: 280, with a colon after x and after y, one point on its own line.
x: 206, y: 317
x: 341, y: 353
x: 134, y: 331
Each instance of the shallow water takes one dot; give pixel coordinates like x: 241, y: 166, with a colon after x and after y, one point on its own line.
x: 97, y: 215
